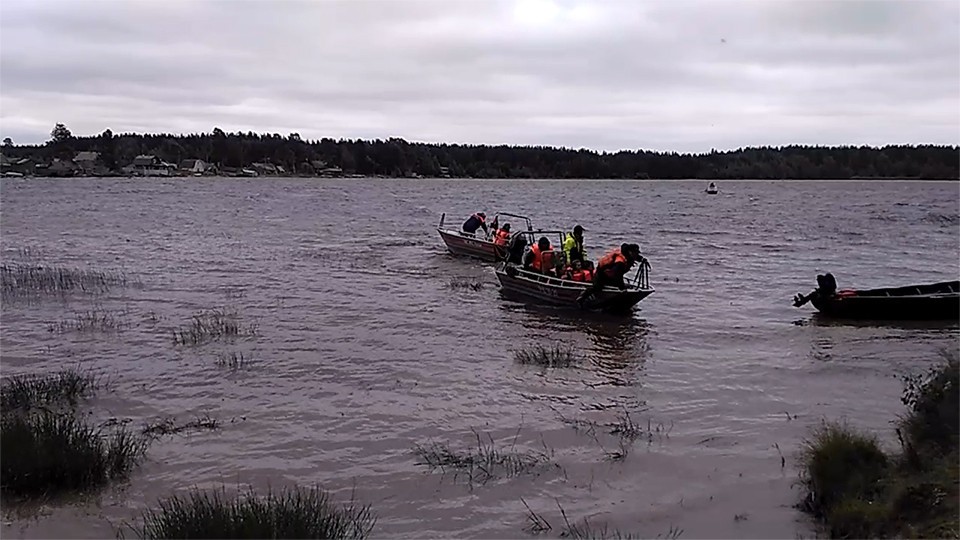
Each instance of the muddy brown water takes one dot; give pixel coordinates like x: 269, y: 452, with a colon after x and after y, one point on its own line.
x: 363, y: 350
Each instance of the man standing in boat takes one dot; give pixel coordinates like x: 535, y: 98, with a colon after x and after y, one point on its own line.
x: 474, y: 222
x: 573, y: 246
x: 611, y: 269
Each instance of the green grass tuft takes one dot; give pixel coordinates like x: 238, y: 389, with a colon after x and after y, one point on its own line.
x: 555, y: 356
x: 67, y: 386
x: 291, y: 513
x: 48, y: 453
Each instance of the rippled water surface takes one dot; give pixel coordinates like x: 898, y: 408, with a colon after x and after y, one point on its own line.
x: 363, y: 350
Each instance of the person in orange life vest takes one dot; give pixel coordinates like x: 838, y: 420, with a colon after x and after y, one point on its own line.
x: 611, y: 269
x: 576, y: 272
x: 474, y: 222
x: 579, y: 273
x: 503, y: 235
x: 539, y: 258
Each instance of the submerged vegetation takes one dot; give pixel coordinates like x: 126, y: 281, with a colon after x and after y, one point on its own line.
x: 859, y: 491
x: 95, y: 320
x: 37, y: 278
x: 557, y: 355
x: 210, y: 325
x: 290, y: 513
x: 485, y: 461
x: 465, y: 284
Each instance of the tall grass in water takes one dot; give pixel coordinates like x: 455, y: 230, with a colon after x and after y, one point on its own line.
x: 47, y: 453
x: 22, y: 278
x: 858, y: 491
x: 211, y: 325
x: 291, y: 513
x: 485, y: 461
x: 91, y: 321
x: 554, y: 356
x: 66, y: 386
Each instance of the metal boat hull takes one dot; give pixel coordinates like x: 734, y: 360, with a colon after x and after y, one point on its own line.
x: 940, y: 301
x: 560, y: 292
x: 460, y: 243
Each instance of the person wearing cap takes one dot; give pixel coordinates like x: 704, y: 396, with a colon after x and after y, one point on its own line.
x: 573, y: 246
x: 611, y: 269
x: 474, y: 222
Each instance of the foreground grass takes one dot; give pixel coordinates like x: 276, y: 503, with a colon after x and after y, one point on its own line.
x: 67, y: 386
x: 291, y: 513
x: 47, y: 454
x: 858, y: 491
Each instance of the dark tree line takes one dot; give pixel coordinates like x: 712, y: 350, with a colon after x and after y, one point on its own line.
x: 397, y: 157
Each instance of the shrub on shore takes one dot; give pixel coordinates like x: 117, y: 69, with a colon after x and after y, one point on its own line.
x: 48, y: 453
x: 291, y: 513
x: 860, y: 492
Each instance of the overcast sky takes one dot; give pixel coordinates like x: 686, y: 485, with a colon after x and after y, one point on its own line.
x: 677, y: 75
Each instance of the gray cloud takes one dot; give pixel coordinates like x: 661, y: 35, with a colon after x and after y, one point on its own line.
x: 682, y: 75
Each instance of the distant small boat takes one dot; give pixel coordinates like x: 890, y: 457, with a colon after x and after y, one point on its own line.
x: 928, y: 301
x: 712, y: 189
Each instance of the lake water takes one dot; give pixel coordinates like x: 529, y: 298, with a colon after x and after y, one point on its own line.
x: 363, y: 350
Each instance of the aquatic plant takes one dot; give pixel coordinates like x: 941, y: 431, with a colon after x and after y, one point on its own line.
x: 290, y: 513
x: 234, y: 360
x: 66, y: 386
x: 858, y: 491
x: 48, y: 453
x: 483, y: 462
x: 91, y: 321
x: 465, y: 284
x: 21, y: 278
x: 583, y: 529
x: 557, y: 355
x: 209, y: 325
x: 169, y: 426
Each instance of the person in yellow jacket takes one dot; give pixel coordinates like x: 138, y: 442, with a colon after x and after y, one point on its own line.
x: 573, y: 246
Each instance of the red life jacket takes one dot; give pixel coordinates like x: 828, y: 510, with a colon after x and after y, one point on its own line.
x: 610, y: 259
x: 502, y: 238
x: 542, y: 260
x: 481, y: 218
x: 583, y: 275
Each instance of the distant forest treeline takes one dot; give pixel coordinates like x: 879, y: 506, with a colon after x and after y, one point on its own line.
x: 397, y: 157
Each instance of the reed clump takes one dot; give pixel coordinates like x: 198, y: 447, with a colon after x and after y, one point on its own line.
x: 169, y: 426
x: 554, y: 356
x: 859, y: 491
x: 289, y: 513
x: 38, y: 278
x: 465, y: 284
x: 67, y: 386
x: 485, y: 461
x: 91, y: 321
x: 210, y: 325
x: 47, y: 453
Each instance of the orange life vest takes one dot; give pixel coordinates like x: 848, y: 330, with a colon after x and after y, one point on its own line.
x: 502, y: 238
x: 583, y: 275
x: 610, y: 259
x: 542, y: 260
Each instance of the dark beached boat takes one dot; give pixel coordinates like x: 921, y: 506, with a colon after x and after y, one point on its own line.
x: 929, y: 301
x: 477, y: 246
x: 561, y: 292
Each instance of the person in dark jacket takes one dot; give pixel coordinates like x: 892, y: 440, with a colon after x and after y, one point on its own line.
x: 474, y: 222
x: 516, y: 249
